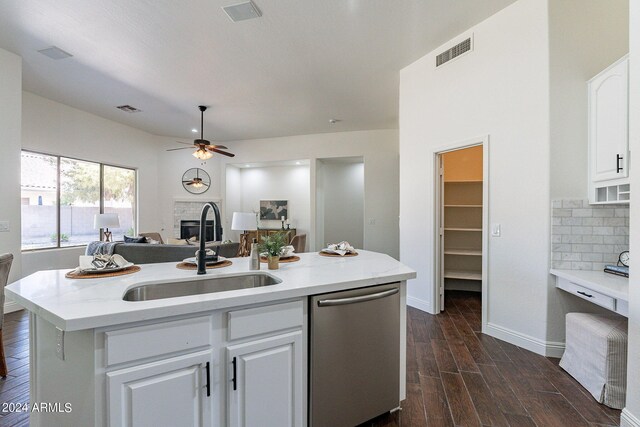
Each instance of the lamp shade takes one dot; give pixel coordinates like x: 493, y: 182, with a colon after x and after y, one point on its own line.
x: 106, y: 220
x: 243, y: 221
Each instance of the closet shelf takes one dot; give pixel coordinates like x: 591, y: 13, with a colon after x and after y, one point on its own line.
x: 461, y: 229
x: 462, y: 274
x: 462, y: 206
x: 468, y: 252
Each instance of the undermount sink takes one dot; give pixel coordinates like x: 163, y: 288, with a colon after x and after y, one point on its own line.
x: 198, y: 287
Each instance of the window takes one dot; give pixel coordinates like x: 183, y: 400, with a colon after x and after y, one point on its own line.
x: 39, y: 194
x: 120, y: 197
x: 55, y: 216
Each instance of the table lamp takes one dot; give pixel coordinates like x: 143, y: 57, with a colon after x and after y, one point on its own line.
x: 244, y: 221
x: 104, y: 221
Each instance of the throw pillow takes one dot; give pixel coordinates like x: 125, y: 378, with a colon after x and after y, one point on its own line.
x: 138, y: 239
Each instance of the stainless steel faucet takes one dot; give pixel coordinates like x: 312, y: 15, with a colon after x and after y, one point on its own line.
x: 201, y: 254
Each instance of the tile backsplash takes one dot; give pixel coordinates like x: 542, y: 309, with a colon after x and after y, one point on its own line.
x: 586, y: 237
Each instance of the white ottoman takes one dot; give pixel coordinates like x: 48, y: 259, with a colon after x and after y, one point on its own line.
x: 596, y: 355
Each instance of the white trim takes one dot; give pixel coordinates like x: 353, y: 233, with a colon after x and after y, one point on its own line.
x: 420, y: 304
x: 437, y: 152
x: 627, y: 419
x: 544, y: 348
x: 11, y: 306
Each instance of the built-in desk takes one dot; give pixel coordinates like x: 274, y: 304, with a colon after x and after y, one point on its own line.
x: 604, y: 289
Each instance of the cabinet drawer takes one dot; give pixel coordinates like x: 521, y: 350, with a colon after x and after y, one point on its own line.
x: 588, y: 294
x: 125, y: 345
x: 265, y: 319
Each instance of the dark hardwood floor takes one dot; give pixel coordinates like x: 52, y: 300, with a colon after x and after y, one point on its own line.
x: 456, y: 376
x: 14, y: 388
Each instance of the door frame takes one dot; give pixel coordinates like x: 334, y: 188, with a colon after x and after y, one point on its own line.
x: 438, y: 209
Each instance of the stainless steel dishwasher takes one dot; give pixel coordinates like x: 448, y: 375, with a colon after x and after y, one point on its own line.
x: 355, y: 355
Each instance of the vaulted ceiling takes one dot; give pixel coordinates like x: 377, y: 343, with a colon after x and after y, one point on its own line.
x: 286, y: 73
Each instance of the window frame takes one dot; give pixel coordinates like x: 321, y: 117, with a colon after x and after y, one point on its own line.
x: 101, y: 165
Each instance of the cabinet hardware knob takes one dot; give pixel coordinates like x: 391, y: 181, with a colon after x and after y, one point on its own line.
x: 585, y: 294
x: 207, y: 367
x: 618, y: 167
x: 235, y: 367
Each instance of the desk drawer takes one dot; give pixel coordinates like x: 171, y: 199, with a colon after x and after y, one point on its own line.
x: 587, y: 294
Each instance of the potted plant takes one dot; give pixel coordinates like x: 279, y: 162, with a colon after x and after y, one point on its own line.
x: 271, y: 246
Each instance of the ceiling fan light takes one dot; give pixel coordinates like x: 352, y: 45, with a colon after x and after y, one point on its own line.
x: 202, y: 154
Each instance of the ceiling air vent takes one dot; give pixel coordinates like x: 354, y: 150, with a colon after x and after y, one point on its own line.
x: 242, y: 11
x: 128, y: 109
x: 54, y: 52
x: 454, y: 52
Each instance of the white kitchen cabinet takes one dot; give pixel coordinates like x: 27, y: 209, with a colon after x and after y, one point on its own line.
x: 609, y: 134
x: 169, y: 392
x: 266, y: 384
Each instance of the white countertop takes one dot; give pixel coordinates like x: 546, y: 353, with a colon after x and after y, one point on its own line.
x: 76, y: 304
x: 599, y: 281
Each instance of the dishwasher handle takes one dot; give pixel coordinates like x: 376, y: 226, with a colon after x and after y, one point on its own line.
x: 353, y: 300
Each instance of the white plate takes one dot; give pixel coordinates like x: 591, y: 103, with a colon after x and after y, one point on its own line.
x: 107, y: 270
x: 193, y: 261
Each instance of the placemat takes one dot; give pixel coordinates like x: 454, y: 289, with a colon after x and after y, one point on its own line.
x: 73, y: 275
x: 186, y: 266
x: 337, y: 255
x: 290, y: 259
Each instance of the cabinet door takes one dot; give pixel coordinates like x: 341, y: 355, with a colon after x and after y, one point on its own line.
x: 608, y: 123
x: 265, y: 387
x: 171, y: 392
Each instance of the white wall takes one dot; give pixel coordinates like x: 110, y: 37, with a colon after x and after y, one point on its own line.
x: 278, y: 183
x: 10, y: 130
x: 500, y: 89
x: 631, y: 414
x: 342, y: 187
x: 171, y: 166
x: 379, y: 149
x: 54, y: 128
x: 581, y: 45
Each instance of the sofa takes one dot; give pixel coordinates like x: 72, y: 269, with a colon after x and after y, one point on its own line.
x: 145, y: 253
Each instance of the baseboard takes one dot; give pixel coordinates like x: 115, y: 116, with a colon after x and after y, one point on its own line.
x: 544, y: 348
x: 11, y: 306
x: 627, y: 419
x: 420, y: 304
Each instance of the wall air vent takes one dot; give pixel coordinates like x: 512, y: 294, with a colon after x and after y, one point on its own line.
x: 128, y: 109
x: 457, y: 50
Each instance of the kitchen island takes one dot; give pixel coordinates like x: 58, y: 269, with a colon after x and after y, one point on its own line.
x: 235, y: 357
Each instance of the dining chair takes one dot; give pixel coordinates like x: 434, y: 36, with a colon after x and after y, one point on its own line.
x: 299, y: 242
x: 5, y: 266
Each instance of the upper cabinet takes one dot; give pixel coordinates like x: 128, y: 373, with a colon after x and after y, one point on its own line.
x: 609, y: 134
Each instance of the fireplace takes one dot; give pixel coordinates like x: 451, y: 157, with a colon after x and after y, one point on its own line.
x: 189, y: 211
x: 190, y: 228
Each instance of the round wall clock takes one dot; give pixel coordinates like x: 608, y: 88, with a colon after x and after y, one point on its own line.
x: 196, y: 181
x: 624, y: 258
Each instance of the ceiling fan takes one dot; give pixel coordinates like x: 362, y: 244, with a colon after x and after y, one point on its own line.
x: 204, y: 148
x: 196, y: 181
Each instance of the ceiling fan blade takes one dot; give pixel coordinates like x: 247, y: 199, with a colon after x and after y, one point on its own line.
x: 221, y: 147
x: 181, y: 148
x: 224, y: 153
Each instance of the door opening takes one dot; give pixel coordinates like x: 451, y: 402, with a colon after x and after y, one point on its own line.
x: 461, y: 226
